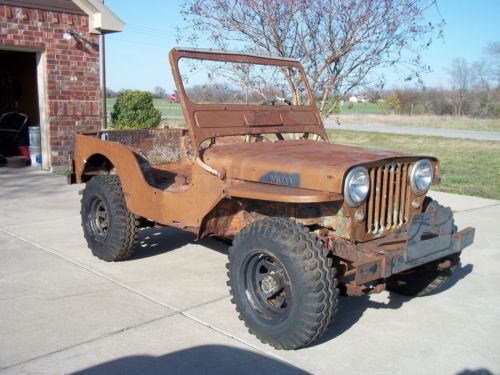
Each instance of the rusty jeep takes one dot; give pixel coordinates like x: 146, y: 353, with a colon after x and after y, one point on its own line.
x: 307, y: 219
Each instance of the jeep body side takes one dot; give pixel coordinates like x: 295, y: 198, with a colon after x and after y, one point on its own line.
x: 300, y: 233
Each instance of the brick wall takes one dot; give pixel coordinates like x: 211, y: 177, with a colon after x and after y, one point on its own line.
x: 71, y: 70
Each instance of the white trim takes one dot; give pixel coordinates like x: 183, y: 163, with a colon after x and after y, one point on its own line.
x: 101, y: 19
x: 42, y: 110
x: 19, y: 49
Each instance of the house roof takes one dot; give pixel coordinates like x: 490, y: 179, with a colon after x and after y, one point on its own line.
x: 65, y: 6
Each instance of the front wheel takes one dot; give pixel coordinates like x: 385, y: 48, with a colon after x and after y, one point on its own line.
x: 282, y: 283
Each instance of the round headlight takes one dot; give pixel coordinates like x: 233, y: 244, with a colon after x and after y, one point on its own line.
x: 357, y: 184
x: 421, y: 176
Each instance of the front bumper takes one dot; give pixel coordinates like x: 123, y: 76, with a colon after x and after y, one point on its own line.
x: 431, y: 236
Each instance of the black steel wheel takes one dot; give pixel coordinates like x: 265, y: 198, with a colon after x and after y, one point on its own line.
x: 98, y: 219
x: 267, y: 286
x: 108, y: 226
x: 282, y: 283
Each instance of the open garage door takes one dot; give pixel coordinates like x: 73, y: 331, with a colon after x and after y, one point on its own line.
x: 20, y: 106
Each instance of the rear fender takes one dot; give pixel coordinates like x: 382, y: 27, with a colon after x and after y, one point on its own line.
x: 141, y: 198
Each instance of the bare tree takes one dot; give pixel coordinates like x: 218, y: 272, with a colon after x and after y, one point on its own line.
x: 461, y: 84
x: 159, y: 92
x: 110, y: 93
x: 213, y: 93
x: 340, y: 43
x: 493, y: 61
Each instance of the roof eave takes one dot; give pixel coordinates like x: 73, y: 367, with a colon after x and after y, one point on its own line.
x: 101, y: 19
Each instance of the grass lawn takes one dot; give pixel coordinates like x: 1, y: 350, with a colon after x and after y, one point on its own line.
x: 359, y: 108
x: 467, y: 167
x: 165, y: 107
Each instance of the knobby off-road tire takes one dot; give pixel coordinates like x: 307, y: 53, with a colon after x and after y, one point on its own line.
x: 108, y: 226
x: 282, y: 283
x: 423, y: 280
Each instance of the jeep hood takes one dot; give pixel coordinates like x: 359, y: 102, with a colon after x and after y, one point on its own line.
x: 301, y: 163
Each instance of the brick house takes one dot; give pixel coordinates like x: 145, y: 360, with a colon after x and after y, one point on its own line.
x: 50, y: 68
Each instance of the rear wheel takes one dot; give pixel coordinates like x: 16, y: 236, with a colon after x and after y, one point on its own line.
x: 282, y: 283
x: 108, y: 226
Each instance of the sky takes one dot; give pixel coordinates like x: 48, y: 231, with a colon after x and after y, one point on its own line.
x: 137, y: 58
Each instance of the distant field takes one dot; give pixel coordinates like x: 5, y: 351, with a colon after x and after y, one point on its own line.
x: 367, y: 113
x: 359, y: 108
x: 468, y: 167
x: 166, y: 108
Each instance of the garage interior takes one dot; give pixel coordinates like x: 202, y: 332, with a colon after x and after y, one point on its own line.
x: 19, y: 109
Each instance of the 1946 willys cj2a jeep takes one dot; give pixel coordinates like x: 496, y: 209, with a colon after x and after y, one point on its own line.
x: 307, y: 218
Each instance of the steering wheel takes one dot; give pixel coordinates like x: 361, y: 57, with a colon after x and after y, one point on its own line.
x: 276, y: 100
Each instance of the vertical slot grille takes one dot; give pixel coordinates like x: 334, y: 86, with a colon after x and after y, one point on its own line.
x: 388, y: 201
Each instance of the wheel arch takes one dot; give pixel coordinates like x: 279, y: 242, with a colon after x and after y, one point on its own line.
x: 227, y: 217
x: 244, y: 202
x: 96, y: 164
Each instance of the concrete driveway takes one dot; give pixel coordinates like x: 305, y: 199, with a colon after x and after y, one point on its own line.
x: 167, y: 310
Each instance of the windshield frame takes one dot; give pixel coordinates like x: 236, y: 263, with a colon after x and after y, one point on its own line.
x: 208, y: 121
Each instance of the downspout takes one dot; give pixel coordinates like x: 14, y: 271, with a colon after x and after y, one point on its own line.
x: 103, y: 67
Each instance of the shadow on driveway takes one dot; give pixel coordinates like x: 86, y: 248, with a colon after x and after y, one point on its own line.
x: 156, y: 241
x: 206, y: 359
x: 351, y: 309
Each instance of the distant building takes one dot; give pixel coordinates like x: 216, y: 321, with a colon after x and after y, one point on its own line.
x: 353, y: 99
